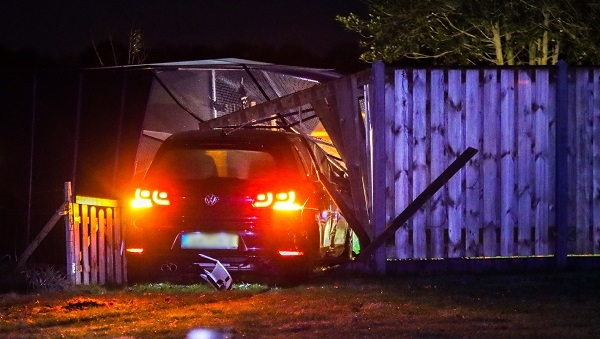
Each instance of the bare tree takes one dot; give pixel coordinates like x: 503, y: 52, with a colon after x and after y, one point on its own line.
x: 136, y: 51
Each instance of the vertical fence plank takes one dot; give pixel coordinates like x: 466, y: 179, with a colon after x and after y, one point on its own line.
x: 438, y: 162
x: 77, y: 243
x: 552, y: 105
x: 110, y: 244
x: 472, y: 177
x: 403, y: 185
x: 378, y: 157
x: 596, y: 163
x: 455, y: 143
x: 491, y: 124
x: 390, y: 128
x: 419, y: 160
x: 541, y: 193
x: 119, y: 256
x: 93, y: 245
x: 583, y: 152
x: 507, y: 161
x: 85, y: 243
x: 525, y: 144
x: 101, y: 246
x: 562, y: 164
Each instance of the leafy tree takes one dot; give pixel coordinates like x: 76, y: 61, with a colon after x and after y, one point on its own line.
x: 467, y: 32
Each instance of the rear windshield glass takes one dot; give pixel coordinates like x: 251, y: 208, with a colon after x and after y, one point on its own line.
x: 198, y: 164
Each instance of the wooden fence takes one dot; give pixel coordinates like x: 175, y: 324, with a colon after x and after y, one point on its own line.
x: 94, y: 253
x: 503, y: 202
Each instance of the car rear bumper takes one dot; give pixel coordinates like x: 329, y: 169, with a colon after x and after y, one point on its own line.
x: 189, y: 266
x: 161, y: 252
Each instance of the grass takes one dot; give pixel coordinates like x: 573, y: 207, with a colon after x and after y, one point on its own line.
x: 559, y: 305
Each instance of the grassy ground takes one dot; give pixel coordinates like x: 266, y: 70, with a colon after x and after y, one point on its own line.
x: 557, y: 305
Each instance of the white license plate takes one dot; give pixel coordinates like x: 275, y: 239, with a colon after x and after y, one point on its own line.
x: 209, y: 241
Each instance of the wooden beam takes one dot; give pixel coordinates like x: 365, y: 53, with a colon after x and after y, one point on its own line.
x: 354, y: 153
x: 280, y: 105
x: 330, y: 121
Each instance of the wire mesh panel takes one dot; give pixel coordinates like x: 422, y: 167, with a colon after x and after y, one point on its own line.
x: 181, y: 98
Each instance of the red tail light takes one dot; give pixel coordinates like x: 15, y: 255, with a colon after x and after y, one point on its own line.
x: 146, y: 198
x: 135, y: 250
x: 290, y: 253
x: 282, y: 201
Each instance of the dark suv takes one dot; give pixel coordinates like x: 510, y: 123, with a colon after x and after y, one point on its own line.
x: 250, y: 198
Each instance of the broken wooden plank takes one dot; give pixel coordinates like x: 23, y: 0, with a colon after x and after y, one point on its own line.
x: 355, y: 151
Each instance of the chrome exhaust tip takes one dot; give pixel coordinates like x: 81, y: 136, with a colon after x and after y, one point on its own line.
x: 168, y: 267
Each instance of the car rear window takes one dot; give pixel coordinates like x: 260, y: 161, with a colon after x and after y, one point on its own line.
x: 198, y: 164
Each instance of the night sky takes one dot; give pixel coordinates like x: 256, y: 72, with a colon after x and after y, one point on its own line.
x: 44, y: 34
x: 58, y: 28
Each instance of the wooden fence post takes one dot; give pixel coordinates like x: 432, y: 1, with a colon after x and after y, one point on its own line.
x: 378, y: 161
x: 69, y: 234
x: 38, y: 239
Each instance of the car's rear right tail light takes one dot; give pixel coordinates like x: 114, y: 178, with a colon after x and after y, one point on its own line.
x: 290, y: 253
x: 282, y: 201
x: 135, y: 250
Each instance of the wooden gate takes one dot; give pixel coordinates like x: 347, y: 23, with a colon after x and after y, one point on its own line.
x: 94, y: 244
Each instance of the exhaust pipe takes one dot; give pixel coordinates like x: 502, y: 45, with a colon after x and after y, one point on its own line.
x: 168, y: 267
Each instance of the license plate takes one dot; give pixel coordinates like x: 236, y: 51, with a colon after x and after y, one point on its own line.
x: 209, y: 241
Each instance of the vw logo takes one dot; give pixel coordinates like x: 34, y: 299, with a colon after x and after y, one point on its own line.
x: 211, y: 199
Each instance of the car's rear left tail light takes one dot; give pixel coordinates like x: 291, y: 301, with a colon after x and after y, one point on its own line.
x: 146, y: 198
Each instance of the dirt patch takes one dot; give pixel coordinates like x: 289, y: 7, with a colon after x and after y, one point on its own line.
x: 81, y: 303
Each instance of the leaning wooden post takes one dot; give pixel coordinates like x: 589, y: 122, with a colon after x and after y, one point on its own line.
x: 69, y: 233
x: 38, y: 239
x: 561, y: 184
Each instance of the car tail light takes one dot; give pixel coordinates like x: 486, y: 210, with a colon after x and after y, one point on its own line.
x: 290, y: 253
x: 146, y: 198
x: 135, y: 250
x: 281, y: 201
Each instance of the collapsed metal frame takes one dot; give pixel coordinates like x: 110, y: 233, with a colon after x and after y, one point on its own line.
x: 288, y: 113
x: 358, y: 140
